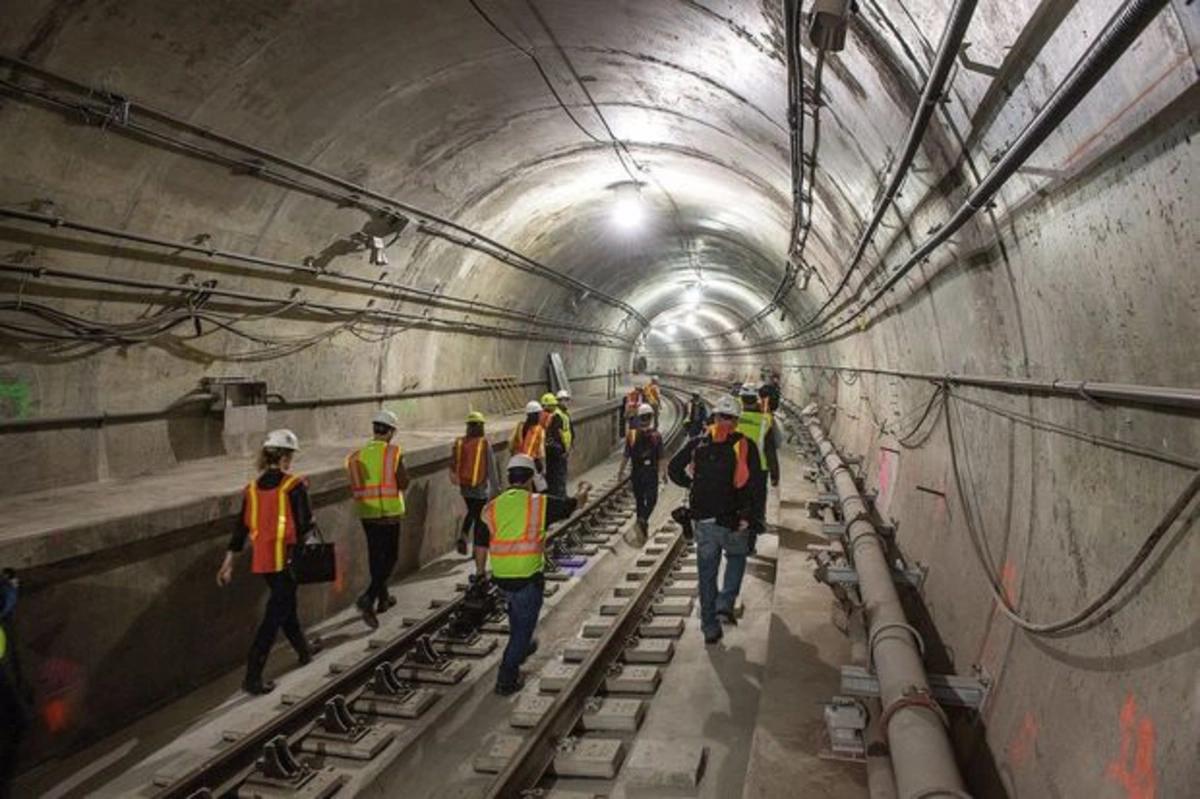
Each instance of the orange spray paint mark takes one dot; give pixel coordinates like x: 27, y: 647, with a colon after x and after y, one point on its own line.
x: 1133, y: 769
x: 1008, y: 580
x: 339, y: 579
x: 1023, y: 741
x: 54, y: 714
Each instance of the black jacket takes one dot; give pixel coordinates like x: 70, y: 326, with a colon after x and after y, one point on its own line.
x: 712, y: 493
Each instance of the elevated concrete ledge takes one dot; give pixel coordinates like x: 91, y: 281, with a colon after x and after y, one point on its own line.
x: 51, y: 527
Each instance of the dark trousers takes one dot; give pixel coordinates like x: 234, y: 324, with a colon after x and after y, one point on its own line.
x: 383, y: 550
x: 645, y: 492
x: 556, y: 474
x: 280, y: 613
x: 524, y: 606
x: 473, y: 522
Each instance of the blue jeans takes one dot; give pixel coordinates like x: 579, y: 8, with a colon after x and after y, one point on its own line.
x: 711, y: 540
x: 645, y: 491
x: 524, y: 605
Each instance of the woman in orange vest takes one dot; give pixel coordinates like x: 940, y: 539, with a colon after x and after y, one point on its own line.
x: 275, y: 510
x: 473, y: 470
x: 529, y: 438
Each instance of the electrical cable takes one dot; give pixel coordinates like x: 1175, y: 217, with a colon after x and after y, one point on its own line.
x: 1075, y: 621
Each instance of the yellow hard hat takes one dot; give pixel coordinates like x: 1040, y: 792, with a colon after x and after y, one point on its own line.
x: 549, y: 399
x: 476, y: 416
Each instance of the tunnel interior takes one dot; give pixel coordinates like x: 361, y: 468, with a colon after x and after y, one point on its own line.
x: 967, y: 231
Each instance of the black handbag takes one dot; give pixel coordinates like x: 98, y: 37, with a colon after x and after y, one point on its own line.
x: 314, y: 561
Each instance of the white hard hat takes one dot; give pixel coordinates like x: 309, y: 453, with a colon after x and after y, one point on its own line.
x: 281, y: 439
x: 728, y: 406
x: 386, y: 417
x: 521, y: 461
x: 749, y: 390
x: 533, y: 406
x: 645, y: 410
x: 564, y: 394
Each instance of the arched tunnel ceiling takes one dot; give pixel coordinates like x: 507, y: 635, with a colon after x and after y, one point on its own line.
x: 442, y: 105
x: 428, y: 102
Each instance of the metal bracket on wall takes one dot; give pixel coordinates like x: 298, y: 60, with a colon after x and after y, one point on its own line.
x: 976, y: 66
x: 846, y: 575
x: 950, y: 690
x: 845, y: 722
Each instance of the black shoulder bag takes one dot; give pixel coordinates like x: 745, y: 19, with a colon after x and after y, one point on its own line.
x: 315, y: 560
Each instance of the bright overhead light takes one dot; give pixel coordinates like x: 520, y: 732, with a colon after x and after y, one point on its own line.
x: 670, y: 331
x: 628, y: 213
x: 693, y: 295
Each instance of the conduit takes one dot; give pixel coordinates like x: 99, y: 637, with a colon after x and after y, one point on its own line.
x: 912, y: 723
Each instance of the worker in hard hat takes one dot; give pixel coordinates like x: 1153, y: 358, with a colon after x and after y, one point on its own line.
x: 653, y: 397
x: 529, y: 438
x: 275, y: 514
x: 759, y: 426
x: 720, y: 470
x: 518, y: 519
x: 556, y: 446
x: 643, y: 449
x: 473, y: 470
x: 378, y: 481
x: 697, y: 415
x: 564, y: 412
x: 633, y: 400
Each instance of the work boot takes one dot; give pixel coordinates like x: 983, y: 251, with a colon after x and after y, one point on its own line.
x: 713, y: 638
x: 509, y: 690
x: 254, y: 682
x: 311, y: 647
x: 368, y: 613
x: 460, y: 546
x: 727, y: 615
x: 387, y: 603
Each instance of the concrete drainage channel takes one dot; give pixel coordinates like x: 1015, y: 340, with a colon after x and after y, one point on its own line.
x: 344, y: 733
x: 586, y: 707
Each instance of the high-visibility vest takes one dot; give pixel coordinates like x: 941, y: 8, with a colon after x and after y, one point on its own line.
x: 3, y: 642
x: 531, y: 442
x: 566, y: 426
x: 755, y: 425
x: 651, y: 392
x: 470, y: 460
x: 517, y: 520
x: 268, y: 517
x: 372, y: 471
x: 741, y: 462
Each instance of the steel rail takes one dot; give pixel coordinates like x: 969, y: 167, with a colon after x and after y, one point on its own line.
x: 533, y: 758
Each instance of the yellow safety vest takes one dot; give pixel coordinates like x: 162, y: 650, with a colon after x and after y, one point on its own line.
x: 754, y: 425
x: 3, y: 642
x: 517, y: 520
x: 566, y: 426
x: 372, y: 472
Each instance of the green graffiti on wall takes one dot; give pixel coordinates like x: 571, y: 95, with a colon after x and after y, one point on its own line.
x: 14, y: 399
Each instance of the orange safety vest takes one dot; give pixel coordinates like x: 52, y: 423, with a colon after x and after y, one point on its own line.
x: 651, y: 392
x: 470, y: 464
x: 517, y: 520
x: 531, y: 442
x: 372, y: 471
x: 268, y: 516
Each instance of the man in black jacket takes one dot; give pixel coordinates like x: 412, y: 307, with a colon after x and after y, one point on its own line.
x: 721, y: 469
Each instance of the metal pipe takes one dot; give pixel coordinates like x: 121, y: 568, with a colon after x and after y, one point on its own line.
x: 429, y: 220
x: 922, y: 756
x: 1124, y: 393
x: 390, y: 290
x: 102, y: 418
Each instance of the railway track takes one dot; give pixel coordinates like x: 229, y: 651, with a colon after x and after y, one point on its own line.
x: 337, y: 718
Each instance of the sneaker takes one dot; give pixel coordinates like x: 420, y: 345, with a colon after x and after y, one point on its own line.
x: 728, y: 617
x: 533, y: 647
x: 368, y: 613
x: 385, y: 604
x: 460, y: 546
x: 509, y: 690
x: 713, y: 638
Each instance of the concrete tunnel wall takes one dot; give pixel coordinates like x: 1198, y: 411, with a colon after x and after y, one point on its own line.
x: 1084, y: 269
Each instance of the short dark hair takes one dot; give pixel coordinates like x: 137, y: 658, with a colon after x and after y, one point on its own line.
x: 380, y: 429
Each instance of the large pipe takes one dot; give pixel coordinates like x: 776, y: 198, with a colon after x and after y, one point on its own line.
x: 922, y: 756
